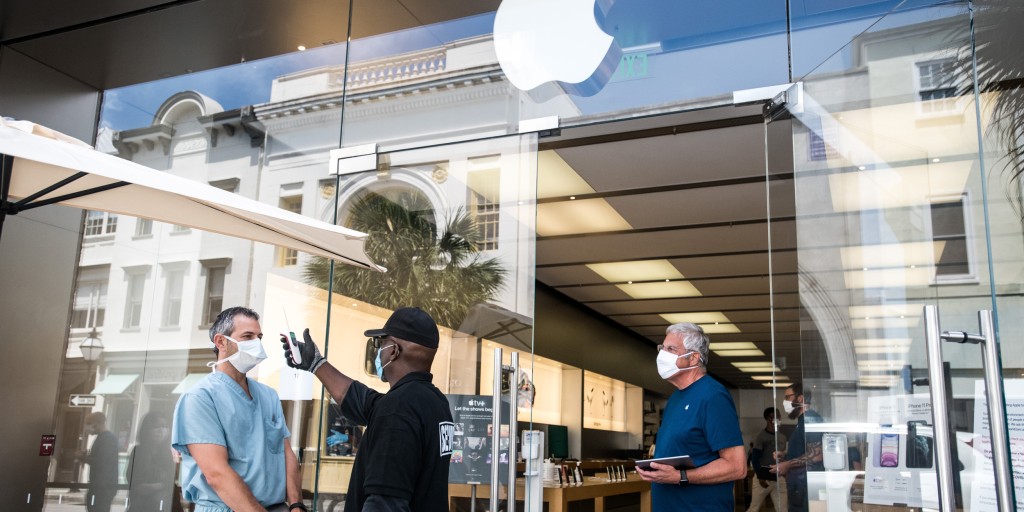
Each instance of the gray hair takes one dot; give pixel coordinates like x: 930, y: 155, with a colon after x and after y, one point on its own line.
x: 225, y: 322
x: 694, y: 339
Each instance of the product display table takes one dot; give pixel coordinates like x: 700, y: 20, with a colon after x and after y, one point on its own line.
x: 558, y: 498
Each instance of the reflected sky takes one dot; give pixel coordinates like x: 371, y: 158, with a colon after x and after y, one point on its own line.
x: 673, y: 51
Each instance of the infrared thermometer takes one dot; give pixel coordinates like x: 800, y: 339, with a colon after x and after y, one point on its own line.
x: 293, y: 347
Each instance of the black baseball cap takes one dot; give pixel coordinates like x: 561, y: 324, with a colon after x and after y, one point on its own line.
x: 409, y: 324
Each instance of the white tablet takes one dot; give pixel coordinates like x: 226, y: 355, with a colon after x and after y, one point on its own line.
x: 678, y: 462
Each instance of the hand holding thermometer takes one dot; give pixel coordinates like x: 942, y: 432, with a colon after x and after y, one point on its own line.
x: 293, y: 346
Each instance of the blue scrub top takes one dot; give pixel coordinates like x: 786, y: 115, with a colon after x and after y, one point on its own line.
x: 698, y: 421
x: 217, y: 411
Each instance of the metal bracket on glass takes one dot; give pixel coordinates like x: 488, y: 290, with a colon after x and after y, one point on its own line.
x: 544, y: 126
x: 353, y: 159
x: 995, y: 400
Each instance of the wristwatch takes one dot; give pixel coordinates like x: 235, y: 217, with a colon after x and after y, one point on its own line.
x: 298, y: 505
x: 683, y: 481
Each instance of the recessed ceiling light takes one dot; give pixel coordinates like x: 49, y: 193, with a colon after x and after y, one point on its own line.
x: 702, y: 317
x: 775, y: 384
x: 659, y: 290
x: 731, y: 345
x: 936, y: 160
x: 302, y: 48
x: 917, y: 184
x: 573, y: 198
x: 575, y: 217
x: 645, y: 270
x: 769, y: 377
x: 738, y: 353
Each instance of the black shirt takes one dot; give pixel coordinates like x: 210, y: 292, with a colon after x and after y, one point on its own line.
x: 406, y: 449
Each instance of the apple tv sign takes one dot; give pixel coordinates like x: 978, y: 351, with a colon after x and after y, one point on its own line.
x: 555, y: 41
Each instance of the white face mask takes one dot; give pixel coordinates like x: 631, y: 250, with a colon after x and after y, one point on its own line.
x: 787, y: 405
x: 667, y: 364
x: 250, y: 353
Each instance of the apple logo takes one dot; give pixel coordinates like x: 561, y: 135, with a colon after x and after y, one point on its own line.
x: 541, y: 41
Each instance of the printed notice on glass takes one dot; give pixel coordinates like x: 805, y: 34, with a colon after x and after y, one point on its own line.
x: 474, y: 437
x: 983, y: 487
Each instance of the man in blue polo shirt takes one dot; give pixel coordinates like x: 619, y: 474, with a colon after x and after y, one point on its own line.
x: 700, y: 421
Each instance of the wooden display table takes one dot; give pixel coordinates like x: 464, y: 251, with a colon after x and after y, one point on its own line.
x: 558, y: 498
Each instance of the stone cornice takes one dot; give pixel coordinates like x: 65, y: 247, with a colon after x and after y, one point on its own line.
x: 324, y: 107
x: 227, y: 122
x: 127, y: 142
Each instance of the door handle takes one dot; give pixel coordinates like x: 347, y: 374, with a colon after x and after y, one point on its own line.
x: 996, y: 401
x: 499, y: 370
x: 940, y: 412
x: 496, y: 427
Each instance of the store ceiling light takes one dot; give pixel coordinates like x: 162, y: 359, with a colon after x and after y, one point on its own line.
x: 731, y: 345
x: 888, y: 187
x: 660, y: 290
x: 769, y: 377
x: 890, y: 278
x: 891, y: 256
x: 720, y: 328
x: 738, y: 353
x: 885, y: 323
x: 646, y: 270
x: 886, y: 310
x: 707, y: 317
x: 555, y: 178
x: 775, y: 384
x: 880, y: 364
x: 576, y: 217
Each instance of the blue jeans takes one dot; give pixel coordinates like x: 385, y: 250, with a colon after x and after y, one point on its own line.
x: 796, y: 490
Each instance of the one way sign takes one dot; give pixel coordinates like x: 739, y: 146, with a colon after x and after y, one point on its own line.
x: 82, y: 400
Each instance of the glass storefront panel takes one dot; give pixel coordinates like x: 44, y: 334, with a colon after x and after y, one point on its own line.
x: 898, y: 210
x: 454, y: 225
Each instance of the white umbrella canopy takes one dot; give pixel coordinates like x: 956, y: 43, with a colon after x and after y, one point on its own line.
x: 42, y: 167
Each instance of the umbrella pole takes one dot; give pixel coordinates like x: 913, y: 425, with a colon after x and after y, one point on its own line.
x: 6, y: 169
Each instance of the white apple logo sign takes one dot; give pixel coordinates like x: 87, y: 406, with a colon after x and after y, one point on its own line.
x: 540, y: 41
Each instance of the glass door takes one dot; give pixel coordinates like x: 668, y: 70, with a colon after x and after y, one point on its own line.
x: 904, y: 241
x: 454, y: 224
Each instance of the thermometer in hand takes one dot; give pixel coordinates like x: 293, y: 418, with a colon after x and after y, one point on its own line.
x: 293, y: 347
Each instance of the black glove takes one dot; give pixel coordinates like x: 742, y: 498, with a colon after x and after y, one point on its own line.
x: 308, y: 352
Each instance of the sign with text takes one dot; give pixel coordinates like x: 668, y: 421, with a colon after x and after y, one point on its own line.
x: 82, y: 400
x: 983, y: 486
x: 474, y: 437
x: 46, y: 445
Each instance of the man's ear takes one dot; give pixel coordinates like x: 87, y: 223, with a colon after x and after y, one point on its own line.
x: 220, y: 342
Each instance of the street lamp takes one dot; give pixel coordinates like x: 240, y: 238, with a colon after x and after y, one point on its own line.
x: 91, y: 347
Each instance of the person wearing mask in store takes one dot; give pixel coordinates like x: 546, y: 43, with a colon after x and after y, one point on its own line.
x: 767, y: 441
x: 230, y: 429
x: 700, y: 421
x: 803, y: 452
x: 405, y: 452
x: 102, y: 461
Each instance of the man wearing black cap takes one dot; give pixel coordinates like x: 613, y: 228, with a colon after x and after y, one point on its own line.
x: 402, y: 463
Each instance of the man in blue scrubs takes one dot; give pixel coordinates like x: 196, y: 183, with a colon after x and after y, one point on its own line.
x: 700, y: 421
x: 230, y: 429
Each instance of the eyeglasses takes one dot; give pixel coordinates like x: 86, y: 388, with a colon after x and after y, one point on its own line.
x: 376, y: 341
x: 671, y: 350
x: 789, y: 396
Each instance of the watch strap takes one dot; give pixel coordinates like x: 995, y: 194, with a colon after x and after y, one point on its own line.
x: 298, y: 505
x: 682, y: 478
